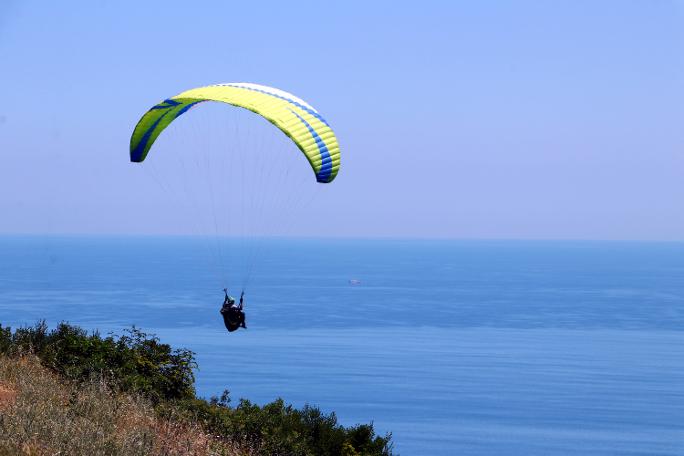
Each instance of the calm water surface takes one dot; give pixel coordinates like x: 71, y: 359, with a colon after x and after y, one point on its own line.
x: 474, y: 348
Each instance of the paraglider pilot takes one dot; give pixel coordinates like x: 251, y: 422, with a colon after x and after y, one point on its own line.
x: 233, y: 316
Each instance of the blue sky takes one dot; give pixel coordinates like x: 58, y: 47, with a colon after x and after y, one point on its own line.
x: 497, y: 119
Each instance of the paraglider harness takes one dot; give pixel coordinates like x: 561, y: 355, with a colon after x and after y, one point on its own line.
x: 233, y: 316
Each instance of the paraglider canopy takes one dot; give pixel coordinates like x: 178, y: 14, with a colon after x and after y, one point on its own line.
x: 293, y: 116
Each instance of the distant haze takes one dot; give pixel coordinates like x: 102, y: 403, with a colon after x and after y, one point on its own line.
x: 504, y: 119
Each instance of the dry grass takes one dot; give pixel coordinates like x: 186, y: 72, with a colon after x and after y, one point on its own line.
x: 7, y: 397
x: 41, y: 414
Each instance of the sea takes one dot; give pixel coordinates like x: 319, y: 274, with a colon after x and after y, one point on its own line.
x: 455, y: 347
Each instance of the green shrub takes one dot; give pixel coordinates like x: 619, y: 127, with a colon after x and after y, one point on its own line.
x: 138, y: 363
x: 279, y: 428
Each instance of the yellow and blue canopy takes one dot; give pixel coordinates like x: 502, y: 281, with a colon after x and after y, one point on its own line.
x: 293, y: 116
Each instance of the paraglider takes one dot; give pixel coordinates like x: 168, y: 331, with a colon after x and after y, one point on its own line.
x: 233, y: 315
x: 298, y: 120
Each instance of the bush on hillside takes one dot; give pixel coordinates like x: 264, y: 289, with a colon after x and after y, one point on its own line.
x: 138, y: 363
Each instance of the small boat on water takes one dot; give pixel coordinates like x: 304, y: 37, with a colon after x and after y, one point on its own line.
x: 354, y: 282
